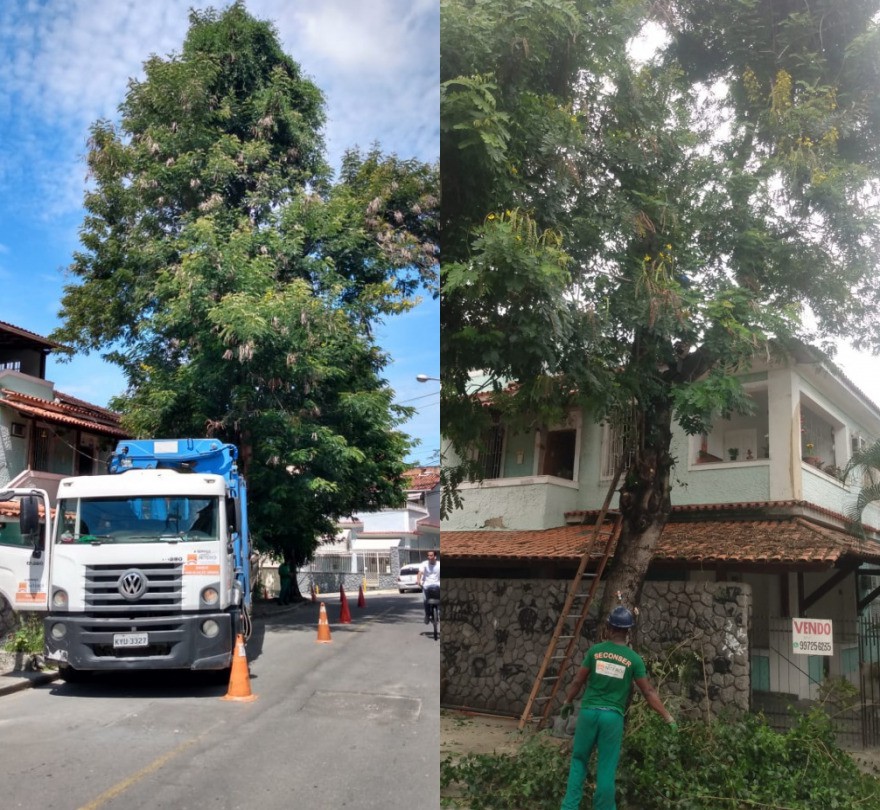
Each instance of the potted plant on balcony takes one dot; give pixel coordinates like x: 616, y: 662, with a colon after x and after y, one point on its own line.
x: 733, y: 452
x: 810, y: 458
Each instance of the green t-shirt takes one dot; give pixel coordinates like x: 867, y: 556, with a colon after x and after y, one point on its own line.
x: 612, y: 668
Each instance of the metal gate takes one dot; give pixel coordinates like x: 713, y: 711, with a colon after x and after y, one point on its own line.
x: 846, y: 684
x: 373, y: 564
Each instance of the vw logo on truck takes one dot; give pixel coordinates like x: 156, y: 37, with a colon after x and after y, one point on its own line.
x: 132, y: 585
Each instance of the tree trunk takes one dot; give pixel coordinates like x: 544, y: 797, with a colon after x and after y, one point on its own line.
x: 645, y: 505
x: 295, y: 594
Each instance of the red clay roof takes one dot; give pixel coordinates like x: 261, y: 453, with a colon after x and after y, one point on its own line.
x: 421, y: 479
x: 82, y: 415
x: 783, y: 541
x: 772, y: 509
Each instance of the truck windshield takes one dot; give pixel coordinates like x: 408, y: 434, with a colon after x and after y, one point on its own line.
x: 137, y: 520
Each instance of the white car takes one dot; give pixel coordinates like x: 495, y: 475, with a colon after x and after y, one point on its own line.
x: 406, y: 579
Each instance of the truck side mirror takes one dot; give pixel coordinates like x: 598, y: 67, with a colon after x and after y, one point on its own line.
x: 231, y: 515
x: 29, y: 518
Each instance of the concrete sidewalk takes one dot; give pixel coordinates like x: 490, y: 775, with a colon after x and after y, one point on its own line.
x: 17, y: 679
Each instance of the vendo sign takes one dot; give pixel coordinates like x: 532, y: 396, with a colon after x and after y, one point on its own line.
x: 812, y: 637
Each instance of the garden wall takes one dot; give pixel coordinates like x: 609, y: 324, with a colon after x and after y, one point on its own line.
x: 495, y: 633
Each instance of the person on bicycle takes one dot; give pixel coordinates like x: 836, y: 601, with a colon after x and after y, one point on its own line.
x: 429, y: 578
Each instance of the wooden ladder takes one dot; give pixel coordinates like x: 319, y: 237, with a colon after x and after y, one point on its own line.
x: 603, y: 539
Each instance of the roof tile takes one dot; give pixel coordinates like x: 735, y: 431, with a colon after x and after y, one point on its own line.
x: 791, y: 540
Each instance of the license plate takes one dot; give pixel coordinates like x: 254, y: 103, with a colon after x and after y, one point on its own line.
x: 130, y: 640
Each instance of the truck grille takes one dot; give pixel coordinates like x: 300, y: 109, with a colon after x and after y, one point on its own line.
x: 133, y: 589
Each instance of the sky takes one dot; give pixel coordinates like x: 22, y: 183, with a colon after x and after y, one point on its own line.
x: 67, y: 63
x: 861, y: 368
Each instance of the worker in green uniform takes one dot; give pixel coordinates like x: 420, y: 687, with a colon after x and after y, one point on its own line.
x: 609, y: 670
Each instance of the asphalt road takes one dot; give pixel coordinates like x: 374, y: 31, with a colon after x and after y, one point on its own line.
x: 350, y: 724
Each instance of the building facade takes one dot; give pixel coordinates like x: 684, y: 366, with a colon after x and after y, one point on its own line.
x: 759, y: 507
x: 371, y: 546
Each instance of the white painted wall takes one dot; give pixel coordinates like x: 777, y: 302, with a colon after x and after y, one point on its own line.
x: 535, y: 502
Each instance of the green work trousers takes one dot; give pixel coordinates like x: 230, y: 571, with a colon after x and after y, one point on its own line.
x: 601, y: 729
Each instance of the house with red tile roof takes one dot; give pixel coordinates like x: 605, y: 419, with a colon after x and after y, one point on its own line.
x: 46, y: 435
x: 759, y: 505
x: 372, y: 546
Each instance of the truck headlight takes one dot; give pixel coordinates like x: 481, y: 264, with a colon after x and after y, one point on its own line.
x: 58, y: 631
x: 210, y: 595
x: 210, y: 628
x: 59, y: 599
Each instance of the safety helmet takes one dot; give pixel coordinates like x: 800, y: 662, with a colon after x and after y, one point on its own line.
x: 621, y: 618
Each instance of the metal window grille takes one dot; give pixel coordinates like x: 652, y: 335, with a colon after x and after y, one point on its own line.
x: 618, y: 446
x: 490, y: 455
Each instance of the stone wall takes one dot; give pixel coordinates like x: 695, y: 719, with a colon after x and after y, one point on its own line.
x: 496, y: 632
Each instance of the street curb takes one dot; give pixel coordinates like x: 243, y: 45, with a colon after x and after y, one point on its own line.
x: 26, y: 680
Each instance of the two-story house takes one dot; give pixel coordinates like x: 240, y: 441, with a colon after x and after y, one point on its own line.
x: 757, y: 538
x: 45, y: 434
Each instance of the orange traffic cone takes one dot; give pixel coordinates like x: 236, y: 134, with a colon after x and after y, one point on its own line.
x: 239, y: 678
x: 344, y: 612
x: 361, y: 601
x: 323, y: 626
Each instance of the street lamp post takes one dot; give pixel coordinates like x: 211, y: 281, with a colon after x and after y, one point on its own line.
x: 425, y: 378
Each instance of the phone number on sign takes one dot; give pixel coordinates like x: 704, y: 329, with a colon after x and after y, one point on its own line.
x: 819, y: 646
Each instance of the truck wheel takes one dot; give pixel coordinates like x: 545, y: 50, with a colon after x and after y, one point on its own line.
x: 72, y: 675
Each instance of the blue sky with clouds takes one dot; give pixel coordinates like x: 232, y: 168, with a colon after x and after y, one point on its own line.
x: 66, y: 63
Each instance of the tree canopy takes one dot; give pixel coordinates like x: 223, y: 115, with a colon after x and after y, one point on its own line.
x: 638, y: 198
x: 236, y: 283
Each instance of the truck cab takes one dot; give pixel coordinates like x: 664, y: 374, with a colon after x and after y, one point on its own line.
x: 146, y: 567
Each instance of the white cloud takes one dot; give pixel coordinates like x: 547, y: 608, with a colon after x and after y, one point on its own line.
x: 69, y: 62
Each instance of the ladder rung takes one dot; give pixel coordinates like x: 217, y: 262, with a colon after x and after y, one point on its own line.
x: 598, y: 538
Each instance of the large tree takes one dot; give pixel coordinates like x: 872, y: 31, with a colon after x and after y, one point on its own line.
x: 651, y: 222
x: 236, y: 283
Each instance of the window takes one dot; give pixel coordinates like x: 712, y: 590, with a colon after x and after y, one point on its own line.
x: 559, y: 451
x: 16, y: 429
x: 490, y: 454
x: 137, y: 520
x: 10, y: 365
x: 617, y: 447
x: 85, y: 459
x: 819, y: 437
x: 41, y: 450
x: 741, y: 437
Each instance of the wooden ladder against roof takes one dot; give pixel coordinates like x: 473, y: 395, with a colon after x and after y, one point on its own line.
x: 603, y: 538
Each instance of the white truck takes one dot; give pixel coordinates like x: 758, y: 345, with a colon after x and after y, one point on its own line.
x: 147, y: 567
